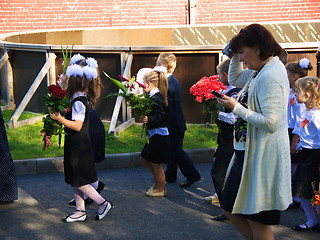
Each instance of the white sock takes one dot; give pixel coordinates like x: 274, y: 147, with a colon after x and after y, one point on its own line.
x: 309, y: 212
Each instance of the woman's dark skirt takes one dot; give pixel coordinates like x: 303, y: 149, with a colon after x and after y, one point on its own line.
x: 230, y: 192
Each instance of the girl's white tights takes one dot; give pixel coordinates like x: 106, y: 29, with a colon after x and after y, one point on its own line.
x: 95, y: 185
x: 309, y: 212
x: 91, y: 192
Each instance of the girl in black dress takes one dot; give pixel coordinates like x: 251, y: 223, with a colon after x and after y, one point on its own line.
x: 157, y: 151
x: 79, y: 166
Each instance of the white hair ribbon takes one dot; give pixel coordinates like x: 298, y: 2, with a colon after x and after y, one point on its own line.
x: 304, y: 63
x: 90, y: 72
x: 76, y: 58
x: 160, y: 69
x: 91, y: 62
x: 74, y: 70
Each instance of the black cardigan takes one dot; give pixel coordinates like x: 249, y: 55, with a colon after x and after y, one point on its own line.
x: 158, y: 117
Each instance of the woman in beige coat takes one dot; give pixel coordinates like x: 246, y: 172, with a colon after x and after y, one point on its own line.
x: 253, y: 198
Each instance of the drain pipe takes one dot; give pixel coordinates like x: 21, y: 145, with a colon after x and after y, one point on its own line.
x: 191, y: 8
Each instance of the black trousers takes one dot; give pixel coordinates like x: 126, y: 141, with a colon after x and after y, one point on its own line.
x: 180, y: 159
x: 222, y: 158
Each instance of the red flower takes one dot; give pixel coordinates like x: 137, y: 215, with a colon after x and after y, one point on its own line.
x: 291, y: 101
x: 141, y: 85
x: 57, y: 91
x: 202, y: 91
x: 123, y: 78
x: 304, y: 123
x: 203, y: 88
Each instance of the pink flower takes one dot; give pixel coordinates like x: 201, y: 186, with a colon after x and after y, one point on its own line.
x: 141, y: 85
x: 123, y: 78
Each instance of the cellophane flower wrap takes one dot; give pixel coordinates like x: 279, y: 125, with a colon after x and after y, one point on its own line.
x: 139, y: 103
x: 316, y: 201
x: 202, y: 91
x: 55, y: 101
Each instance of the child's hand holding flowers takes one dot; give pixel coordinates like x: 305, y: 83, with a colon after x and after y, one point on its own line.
x: 55, y: 102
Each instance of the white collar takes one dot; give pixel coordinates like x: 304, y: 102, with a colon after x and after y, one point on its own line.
x: 78, y: 94
x: 153, y: 92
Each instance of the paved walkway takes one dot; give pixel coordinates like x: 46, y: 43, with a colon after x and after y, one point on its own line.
x: 181, y: 215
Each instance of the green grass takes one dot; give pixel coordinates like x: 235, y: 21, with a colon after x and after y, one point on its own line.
x: 25, y: 142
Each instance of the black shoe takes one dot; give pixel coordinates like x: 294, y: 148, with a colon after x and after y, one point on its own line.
x: 188, y: 183
x: 299, y: 229
x: 220, y: 218
x: 101, y: 186
x: 88, y: 200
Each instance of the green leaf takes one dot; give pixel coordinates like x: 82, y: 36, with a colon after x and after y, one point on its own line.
x: 116, y: 82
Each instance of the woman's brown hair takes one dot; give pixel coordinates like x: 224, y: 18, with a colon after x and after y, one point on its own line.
x: 295, y: 68
x: 256, y: 35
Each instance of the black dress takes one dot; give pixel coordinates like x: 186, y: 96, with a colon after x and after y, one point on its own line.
x: 79, y: 163
x: 8, y: 180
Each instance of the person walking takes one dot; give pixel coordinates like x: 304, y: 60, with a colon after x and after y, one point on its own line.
x: 157, y: 150
x: 177, y: 127
x: 79, y: 162
x: 258, y: 184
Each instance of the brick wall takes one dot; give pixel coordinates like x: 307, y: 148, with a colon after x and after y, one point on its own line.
x: 16, y: 16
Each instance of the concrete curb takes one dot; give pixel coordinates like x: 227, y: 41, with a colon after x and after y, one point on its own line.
x: 123, y: 160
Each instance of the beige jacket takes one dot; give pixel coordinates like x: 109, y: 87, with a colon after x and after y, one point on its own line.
x: 266, y: 177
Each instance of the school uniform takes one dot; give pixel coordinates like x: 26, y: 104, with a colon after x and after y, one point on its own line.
x: 158, y: 148
x: 295, y: 110
x: 225, y: 150
x: 177, y: 127
x: 79, y: 163
x: 306, y: 178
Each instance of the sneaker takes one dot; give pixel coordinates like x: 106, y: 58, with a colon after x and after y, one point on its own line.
x: 212, y: 199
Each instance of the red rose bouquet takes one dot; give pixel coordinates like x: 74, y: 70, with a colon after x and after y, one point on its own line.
x: 55, y: 101
x: 202, y: 91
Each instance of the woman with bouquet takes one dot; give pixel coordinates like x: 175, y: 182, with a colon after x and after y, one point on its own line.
x: 79, y: 162
x: 157, y: 151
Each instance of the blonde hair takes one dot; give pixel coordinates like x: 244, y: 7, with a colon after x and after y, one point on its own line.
x: 224, y: 66
x: 159, y: 80
x: 310, y: 85
x: 167, y: 60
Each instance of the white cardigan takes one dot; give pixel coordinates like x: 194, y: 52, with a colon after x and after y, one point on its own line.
x: 266, y: 176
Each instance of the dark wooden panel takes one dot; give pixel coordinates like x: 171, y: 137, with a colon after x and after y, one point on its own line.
x: 26, y: 66
x: 190, y: 68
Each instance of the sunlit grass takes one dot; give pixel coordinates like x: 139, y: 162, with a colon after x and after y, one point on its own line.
x: 25, y: 142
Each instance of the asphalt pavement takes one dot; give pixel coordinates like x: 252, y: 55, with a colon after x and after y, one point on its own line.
x: 182, y: 214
